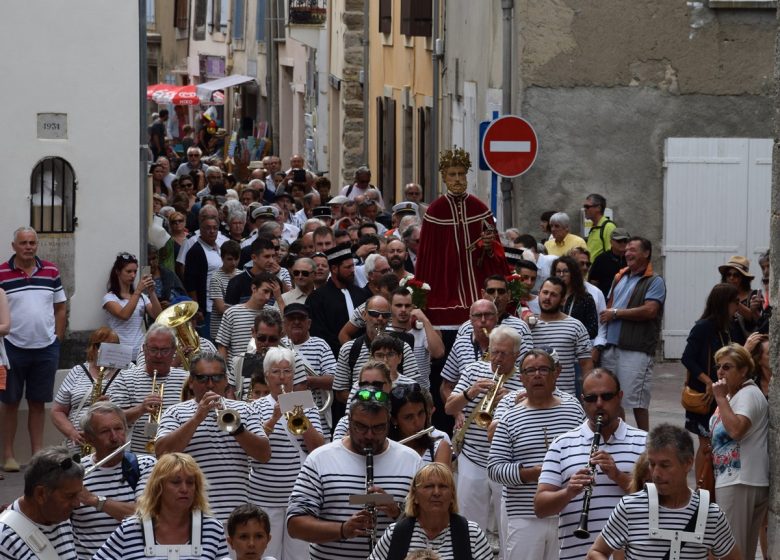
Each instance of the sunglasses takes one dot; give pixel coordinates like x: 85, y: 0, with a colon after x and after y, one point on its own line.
x: 304, y: 273
x: 401, y: 391
x: 376, y: 314
x: 127, y: 257
x: 203, y: 378
x: 372, y: 395
x: 593, y: 397
x: 494, y: 291
x: 266, y: 338
x: 589, y: 206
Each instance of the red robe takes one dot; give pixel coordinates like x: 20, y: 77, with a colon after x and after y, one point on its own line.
x: 444, y: 260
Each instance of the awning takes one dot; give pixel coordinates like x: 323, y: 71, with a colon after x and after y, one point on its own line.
x: 206, y: 89
x: 165, y: 94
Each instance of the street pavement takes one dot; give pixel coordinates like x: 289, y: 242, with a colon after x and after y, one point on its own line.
x: 664, y: 407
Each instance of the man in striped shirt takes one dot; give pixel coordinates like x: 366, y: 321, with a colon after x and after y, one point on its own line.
x: 664, y: 519
x: 566, y: 473
x: 565, y: 334
x: 110, y: 491
x: 37, y: 304
x: 192, y: 427
x: 517, y: 451
x: 40, y: 518
x: 320, y: 511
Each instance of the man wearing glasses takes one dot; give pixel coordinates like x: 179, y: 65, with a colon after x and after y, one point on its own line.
x: 303, y: 281
x: 517, y: 451
x: 565, y: 473
x: 602, y: 227
x: 221, y: 451
x: 193, y: 162
x: 477, y: 495
x: 351, y: 360
x: 320, y: 511
x: 132, y: 388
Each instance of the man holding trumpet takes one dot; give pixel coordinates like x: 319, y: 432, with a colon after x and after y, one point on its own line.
x: 475, y: 388
x: 573, y: 464
x: 218, y: 433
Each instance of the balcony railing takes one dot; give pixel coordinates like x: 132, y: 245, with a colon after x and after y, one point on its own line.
x: 308, y: 12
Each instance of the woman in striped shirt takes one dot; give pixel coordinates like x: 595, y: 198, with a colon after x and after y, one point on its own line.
x: 412, y: 407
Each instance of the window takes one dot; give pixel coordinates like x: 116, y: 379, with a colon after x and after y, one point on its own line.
x: 53, y: 196
x: 180, y: 14
x: 238, y: 19
x: 219, y: 17
x: 417, y: 18
x: 386, y: 16
x: 423, y: 147
x: 150, y: 14
x: 201, y: 8
x: 386, y: 147
x: 260, y: 21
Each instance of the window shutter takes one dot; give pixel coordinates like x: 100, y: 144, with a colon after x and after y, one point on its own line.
x: 406, y: 17
x: 421, y: 18
x: 260, y: 22
x: 180, y: 14
x: 238, y: 19
x: 386, y: 16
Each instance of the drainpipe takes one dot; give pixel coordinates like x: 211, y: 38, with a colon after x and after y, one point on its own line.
x: 506, y: 102
x: 143, y: 136
x: 433, y: 157
x: 365, y: 85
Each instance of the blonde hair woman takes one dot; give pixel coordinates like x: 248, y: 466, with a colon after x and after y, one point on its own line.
x: 173, y: 513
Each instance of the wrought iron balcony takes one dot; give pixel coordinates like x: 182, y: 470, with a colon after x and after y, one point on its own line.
x: 308, y: 12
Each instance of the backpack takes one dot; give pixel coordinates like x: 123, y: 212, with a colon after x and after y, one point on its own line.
x: 459, y: 535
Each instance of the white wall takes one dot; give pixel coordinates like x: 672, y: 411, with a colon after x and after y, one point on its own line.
x: 81, y: 58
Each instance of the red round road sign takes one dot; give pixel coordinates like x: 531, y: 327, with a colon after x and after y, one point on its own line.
x: 509, y: 146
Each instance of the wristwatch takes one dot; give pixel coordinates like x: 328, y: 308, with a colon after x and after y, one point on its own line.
x: 101, y: 501
x: 240, y: 430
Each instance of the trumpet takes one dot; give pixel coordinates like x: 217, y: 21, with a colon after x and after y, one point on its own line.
x: 153, y: 423
x: 460, y: 435
x: 327, y: 395
x: 581, y: 532
x: 228, y: 419
x: 97, y: 392
x: 490, y: 401
x: 297, y: 422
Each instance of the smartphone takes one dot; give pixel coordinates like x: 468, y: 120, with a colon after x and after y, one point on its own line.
x: 145, y: 270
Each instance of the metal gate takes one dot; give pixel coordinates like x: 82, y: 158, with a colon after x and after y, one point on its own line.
x: 716, y: 204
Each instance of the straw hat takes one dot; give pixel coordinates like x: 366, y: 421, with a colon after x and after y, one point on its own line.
x: 738, y: 263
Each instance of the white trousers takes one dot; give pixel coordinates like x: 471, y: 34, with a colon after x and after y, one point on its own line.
x: 530, y: 538
x: 479, y: 498
x: 282, y: 546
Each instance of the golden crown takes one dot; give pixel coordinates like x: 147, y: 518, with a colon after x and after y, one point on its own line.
x: 456, y: 157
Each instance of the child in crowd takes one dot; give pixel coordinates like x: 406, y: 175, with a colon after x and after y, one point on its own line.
x: 259, y: 387
x: 230, y: 252
x: 248, y: 532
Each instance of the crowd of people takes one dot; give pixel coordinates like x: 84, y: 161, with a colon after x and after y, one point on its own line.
x: 365, y: 381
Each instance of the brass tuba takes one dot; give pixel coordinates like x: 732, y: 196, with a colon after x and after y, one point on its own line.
x: 178, y: 318
x: 97, y: 392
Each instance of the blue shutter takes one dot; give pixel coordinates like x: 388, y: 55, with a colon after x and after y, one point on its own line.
x: 260, y: 21
x: 238, y: 19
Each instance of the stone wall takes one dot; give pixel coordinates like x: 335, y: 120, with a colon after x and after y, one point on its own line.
x: 352, y: 133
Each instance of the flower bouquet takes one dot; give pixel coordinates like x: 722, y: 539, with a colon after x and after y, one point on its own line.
x: 517, y: 289
x: 418, y: 289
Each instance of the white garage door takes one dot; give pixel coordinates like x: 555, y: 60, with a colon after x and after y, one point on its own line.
x: 716, y: 204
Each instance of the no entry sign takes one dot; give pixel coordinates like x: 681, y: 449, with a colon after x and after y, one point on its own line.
x: 509, y: 146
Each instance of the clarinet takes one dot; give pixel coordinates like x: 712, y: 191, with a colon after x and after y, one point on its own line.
x: 370, y: 508
x: 581, y: 532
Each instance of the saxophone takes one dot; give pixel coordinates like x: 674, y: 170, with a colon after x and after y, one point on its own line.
x: 97, y: 392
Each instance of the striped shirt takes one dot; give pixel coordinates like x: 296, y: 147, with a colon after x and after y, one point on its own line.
x: 628, y: 527
x: 31, y: 302
x: 332, y: 473
x: 219, y: 455
x: 568, y: 454
x: 315, y: 353
x: 441, y: 543
x: 510, y: 400
x: 127, y: 542
x: 130, y: 389
x: 521, y: 440
x: 235, y: 331
x: 60, y: 536
x: 570, y: 339
x: 216, y: 290
x: 91, y: 528
x: 205, y: 346
x: 78, y: 384
x: 345, y: 378
x: 475, y: 443
x: 270, y: 483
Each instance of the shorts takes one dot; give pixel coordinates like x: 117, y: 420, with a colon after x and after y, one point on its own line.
x: 634, y: 370
x: 35, y: 369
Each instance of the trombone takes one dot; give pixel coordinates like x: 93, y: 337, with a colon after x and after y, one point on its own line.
x: 153, y: 423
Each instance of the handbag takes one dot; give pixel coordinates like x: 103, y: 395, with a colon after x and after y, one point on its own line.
x: 693, y: 401
x: 705, y: 473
